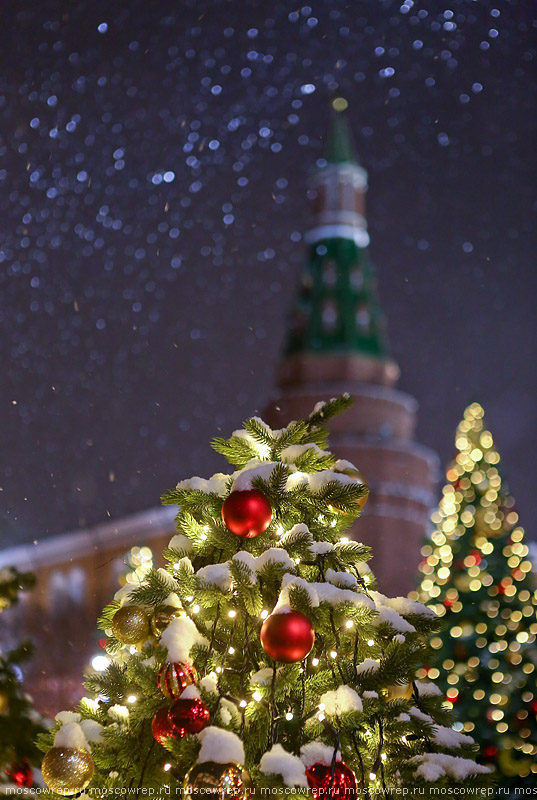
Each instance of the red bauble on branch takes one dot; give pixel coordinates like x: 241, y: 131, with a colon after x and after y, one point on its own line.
x: 174, y: 678
x: 287, y: 637
x: 188, y: 716
x: 21, y: 774
x: 247, y: 513
x: 161, y: 726
x: 320, y: 781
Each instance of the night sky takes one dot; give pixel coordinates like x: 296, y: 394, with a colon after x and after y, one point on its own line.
x: 153, y: 167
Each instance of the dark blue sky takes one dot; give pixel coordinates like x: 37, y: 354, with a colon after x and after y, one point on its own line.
x: 153, y: 164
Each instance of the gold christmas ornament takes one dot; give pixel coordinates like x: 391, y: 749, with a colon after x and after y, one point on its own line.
x: 162, y: 617
x: 67, y: 770
x: 130, y: 624
x: 219, y: 781
x: 399, y: 691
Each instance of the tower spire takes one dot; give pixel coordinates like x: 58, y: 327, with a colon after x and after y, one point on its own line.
x: 337, y: 311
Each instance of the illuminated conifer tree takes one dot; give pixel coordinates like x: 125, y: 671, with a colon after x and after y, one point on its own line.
x: 262, y: 655
x: 477, y: 575
x: 19, y: 722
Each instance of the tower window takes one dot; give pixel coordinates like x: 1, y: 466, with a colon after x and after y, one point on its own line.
x: 363, y: 318
x: 330, y: 315
x: 357, y: 278
x: 330, y: 273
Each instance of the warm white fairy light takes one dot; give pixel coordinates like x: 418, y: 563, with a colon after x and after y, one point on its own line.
x: 279, y: 530
x: 315, y: 662
x: 264, y: 614
x: 289, y: 716
x: 203, y: 536
x: 321, y: 706
x: 372, y: 776
x: 371, y: 642
x: 349, y: 623
x: 132, y: 650
x: 257, y: 696
x: 167, y: 767
x: 231, y: 650
x: 190, y: 598
x: 344, y: 539
x: 243, y: 703
x: 195, y: 609
x: 333, y: 654
x: 219, y: 670
x: 100, y: 663
x: 383, y: 756
x: 131, y: 698
x: 232, y: 613
x: 320, y: 716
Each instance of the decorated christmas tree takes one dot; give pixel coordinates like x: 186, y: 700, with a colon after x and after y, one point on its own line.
x: 19, y: 722
x: 476, y: 574
x: 262, y: 655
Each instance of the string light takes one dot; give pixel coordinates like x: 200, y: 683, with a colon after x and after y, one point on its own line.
x: 315, y: 662
x: 131, y: 698
x: 289, y: 716
x: 349, y: 623
x: 231, y: 650
x: 196, y: 609
x: 243, y: 704
x: 257, y: 696
x: 264, y: 614
x: 232, y: 613
x: 100, y: 663
x: 167, y: 767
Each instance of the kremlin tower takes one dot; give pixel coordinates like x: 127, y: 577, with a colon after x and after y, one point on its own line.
x: 337, y: 343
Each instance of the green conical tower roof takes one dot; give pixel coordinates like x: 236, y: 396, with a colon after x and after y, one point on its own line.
x: 337, y: 309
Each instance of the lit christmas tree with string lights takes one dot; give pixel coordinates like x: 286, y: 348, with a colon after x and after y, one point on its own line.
x: 262, y: 658
x: 477, y: 575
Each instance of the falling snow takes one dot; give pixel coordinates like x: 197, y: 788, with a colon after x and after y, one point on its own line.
x: 152, y: 184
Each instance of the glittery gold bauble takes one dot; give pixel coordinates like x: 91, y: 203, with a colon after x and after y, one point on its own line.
x: 4, y: 703
x: 399, y: 691
x: 162, y: 617
x: 130, y: 625
x: 220, y: 781
x: 67, y: 770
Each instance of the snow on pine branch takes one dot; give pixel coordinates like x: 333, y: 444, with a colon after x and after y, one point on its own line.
x: 340, y: 701
x: 433, y: 766
x: 278, y: 761
x: 180, y: 637
x: 220, y: 746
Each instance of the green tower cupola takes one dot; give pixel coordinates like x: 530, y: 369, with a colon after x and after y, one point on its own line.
x: 337, y: 311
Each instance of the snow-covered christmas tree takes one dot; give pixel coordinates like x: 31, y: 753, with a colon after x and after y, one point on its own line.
x: 19, y: 721
x: 262, y: 655
x: 477, y: 575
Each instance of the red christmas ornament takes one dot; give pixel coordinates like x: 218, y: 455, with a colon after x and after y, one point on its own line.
x: 160, y: 725
x: 21, y: 774
x: 247, y: 513
x: 287, y: 637
x: 173, y: 678
x: 322, y: 786
x: 490, y: 752
x: 188, y: 716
